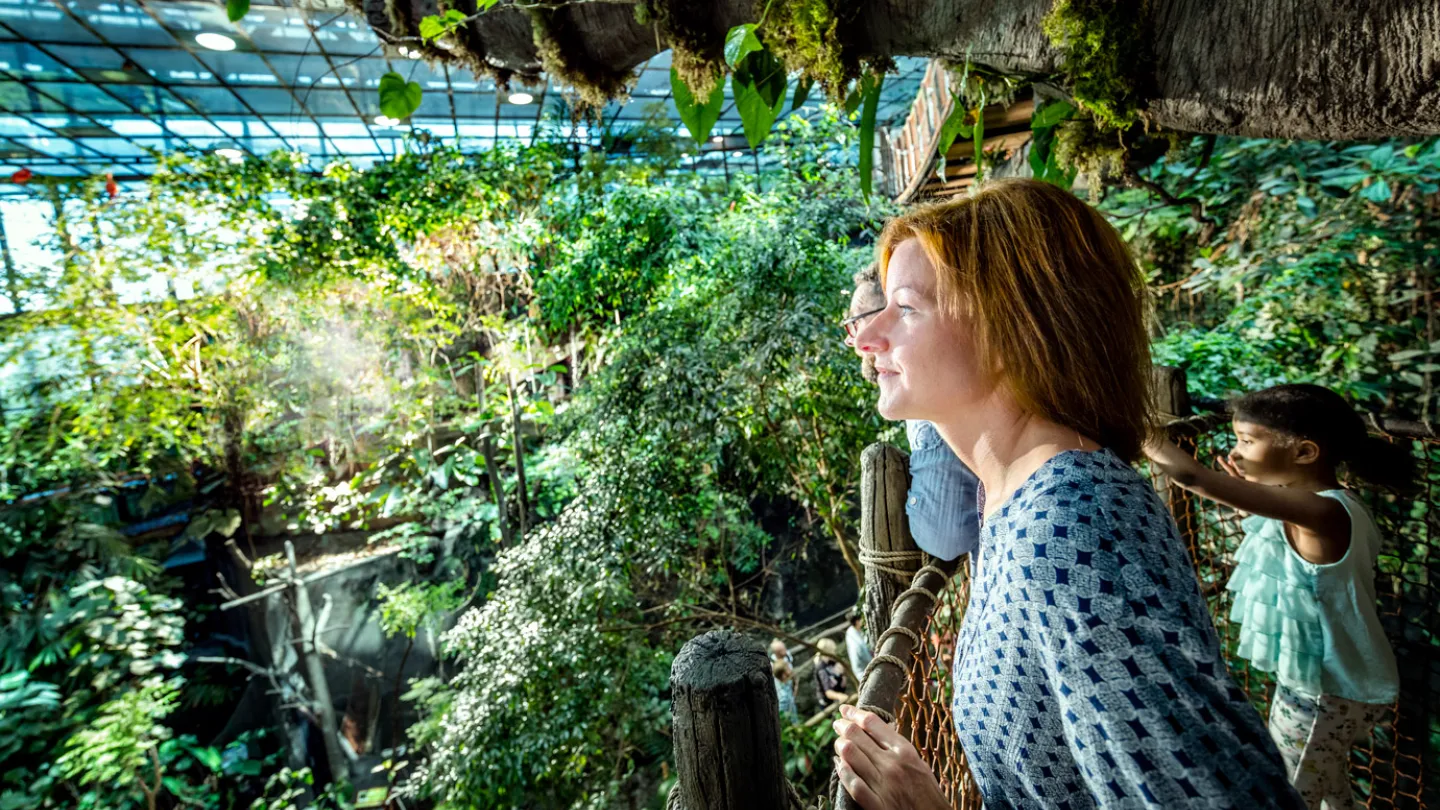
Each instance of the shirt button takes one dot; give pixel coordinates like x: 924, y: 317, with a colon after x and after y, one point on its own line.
x: 914, y: 500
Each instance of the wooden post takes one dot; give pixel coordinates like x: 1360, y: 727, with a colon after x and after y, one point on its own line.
x: 492, y: 471
x: 1172, y: 402
x: 315, y: 674
x: 726, y: 721
x: 884, y: 528
x: 519, y: 457
x: 882, y: 689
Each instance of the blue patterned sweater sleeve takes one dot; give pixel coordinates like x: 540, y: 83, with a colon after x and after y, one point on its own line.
x: 1088, y: 672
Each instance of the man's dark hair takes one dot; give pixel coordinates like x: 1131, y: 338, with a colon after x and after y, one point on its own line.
x: 853, y: 615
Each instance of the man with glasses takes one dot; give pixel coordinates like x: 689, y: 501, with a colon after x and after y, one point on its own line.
x: 942, y: 502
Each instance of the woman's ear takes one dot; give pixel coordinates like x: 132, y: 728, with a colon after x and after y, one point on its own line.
x: 1306, y: 452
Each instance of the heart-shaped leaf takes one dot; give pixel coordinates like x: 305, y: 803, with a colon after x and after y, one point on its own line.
x: 236, y: 9
x: 759, y: 88
x: 698, y: 118
x: 739, y: 43
x: 398, y: 98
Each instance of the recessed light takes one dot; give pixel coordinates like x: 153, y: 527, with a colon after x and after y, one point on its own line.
x: 215, y: 42
x: 737, y: 154
x: 386, y: 121
x: 231, y: 154
x: 521, y: 98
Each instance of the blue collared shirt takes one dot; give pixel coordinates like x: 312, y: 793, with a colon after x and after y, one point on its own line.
x: 944, y: 517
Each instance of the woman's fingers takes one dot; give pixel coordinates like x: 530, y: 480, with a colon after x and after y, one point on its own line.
x: 849, y: 732
x: 880, y: 731
x: 860, y: 790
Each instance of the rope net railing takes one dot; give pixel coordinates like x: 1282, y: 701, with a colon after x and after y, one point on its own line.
x: 1396, y: 766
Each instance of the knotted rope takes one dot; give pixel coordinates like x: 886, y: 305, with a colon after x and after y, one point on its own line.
x: 895, y: 563
x: 895, y: 629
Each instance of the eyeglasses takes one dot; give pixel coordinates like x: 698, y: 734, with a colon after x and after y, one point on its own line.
x: 855, y: 323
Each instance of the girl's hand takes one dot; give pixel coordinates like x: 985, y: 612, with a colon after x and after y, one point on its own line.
x: 880, y: 768
x: 1229, y: 466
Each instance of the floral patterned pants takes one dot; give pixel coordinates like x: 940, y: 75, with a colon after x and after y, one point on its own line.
x: 1315, y: 737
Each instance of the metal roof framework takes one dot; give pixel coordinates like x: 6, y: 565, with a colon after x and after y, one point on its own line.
x: 90, y: 87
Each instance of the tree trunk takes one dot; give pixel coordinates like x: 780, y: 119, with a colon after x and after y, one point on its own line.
x: 1316, y: 69
x: 726, y: 725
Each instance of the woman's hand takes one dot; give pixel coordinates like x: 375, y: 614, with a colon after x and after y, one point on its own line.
x: 880, y: 768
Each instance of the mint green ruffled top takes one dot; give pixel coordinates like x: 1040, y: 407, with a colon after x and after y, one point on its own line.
x: 1314, y: 626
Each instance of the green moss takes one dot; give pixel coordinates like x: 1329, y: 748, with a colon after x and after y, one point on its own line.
x: 1106, y: 62
x: 561, y: 56
x: 696, y: 52
x: 808, y: 37
x: 1081, y: 144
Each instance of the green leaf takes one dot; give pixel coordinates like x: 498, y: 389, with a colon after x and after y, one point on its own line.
x: 953, y: 126
x: 698, y: 118
x: 236, y: 9
x: 852, y: 101
x: 1306, y: 206
x: 977, y: 132
x: 759, y: 88
x: 438, y: 25
x: 398, y: 98
x: 209, y: 757
x: 872, y: 83
x: 1408, y: 354
x: 176, y: 787
x: 1050, y: 114
x: 1378, y: 191
x: 802, y: 92
x: 739, y: 43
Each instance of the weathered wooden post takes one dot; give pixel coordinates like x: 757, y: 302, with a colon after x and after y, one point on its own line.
x: 887, y: 551
x: 726, y: 726
x: 1172, y: 402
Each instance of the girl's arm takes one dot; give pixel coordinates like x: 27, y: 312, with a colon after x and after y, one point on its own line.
x: 1325, y: 525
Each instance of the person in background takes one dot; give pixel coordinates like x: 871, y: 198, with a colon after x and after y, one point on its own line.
x: 941, y: 505
x: 1304, y: 579
x: 830, y: 683
x: 856, y: 645
x: 784, y: 676
x: 778, y: 652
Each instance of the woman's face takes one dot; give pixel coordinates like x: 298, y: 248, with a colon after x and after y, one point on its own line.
x: 925, y: 362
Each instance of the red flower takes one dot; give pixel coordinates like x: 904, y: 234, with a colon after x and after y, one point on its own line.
x: 111, y: 187
x: 22, y: 177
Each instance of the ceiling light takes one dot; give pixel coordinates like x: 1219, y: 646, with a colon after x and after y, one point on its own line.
x: 737, y: 154
x: 414, y: 54
x: 718, y: 139
x: 521, y: 98
x: 386, y: 121
x: 230, y: 153
x: 215, y: 42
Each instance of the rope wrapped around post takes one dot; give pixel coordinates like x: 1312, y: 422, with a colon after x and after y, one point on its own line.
x: 888, y: 673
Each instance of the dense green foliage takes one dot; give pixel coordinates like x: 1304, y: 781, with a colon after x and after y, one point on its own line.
x: 250, y: 350
x: 1311, y: 262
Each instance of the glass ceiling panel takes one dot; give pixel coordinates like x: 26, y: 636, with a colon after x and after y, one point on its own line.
x: 22, y: 61
x: 38, y: 20
x: 86, y: 86
x: 120, y: 23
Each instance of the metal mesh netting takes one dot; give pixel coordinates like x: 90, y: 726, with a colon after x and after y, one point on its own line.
x: 1395, y: 767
